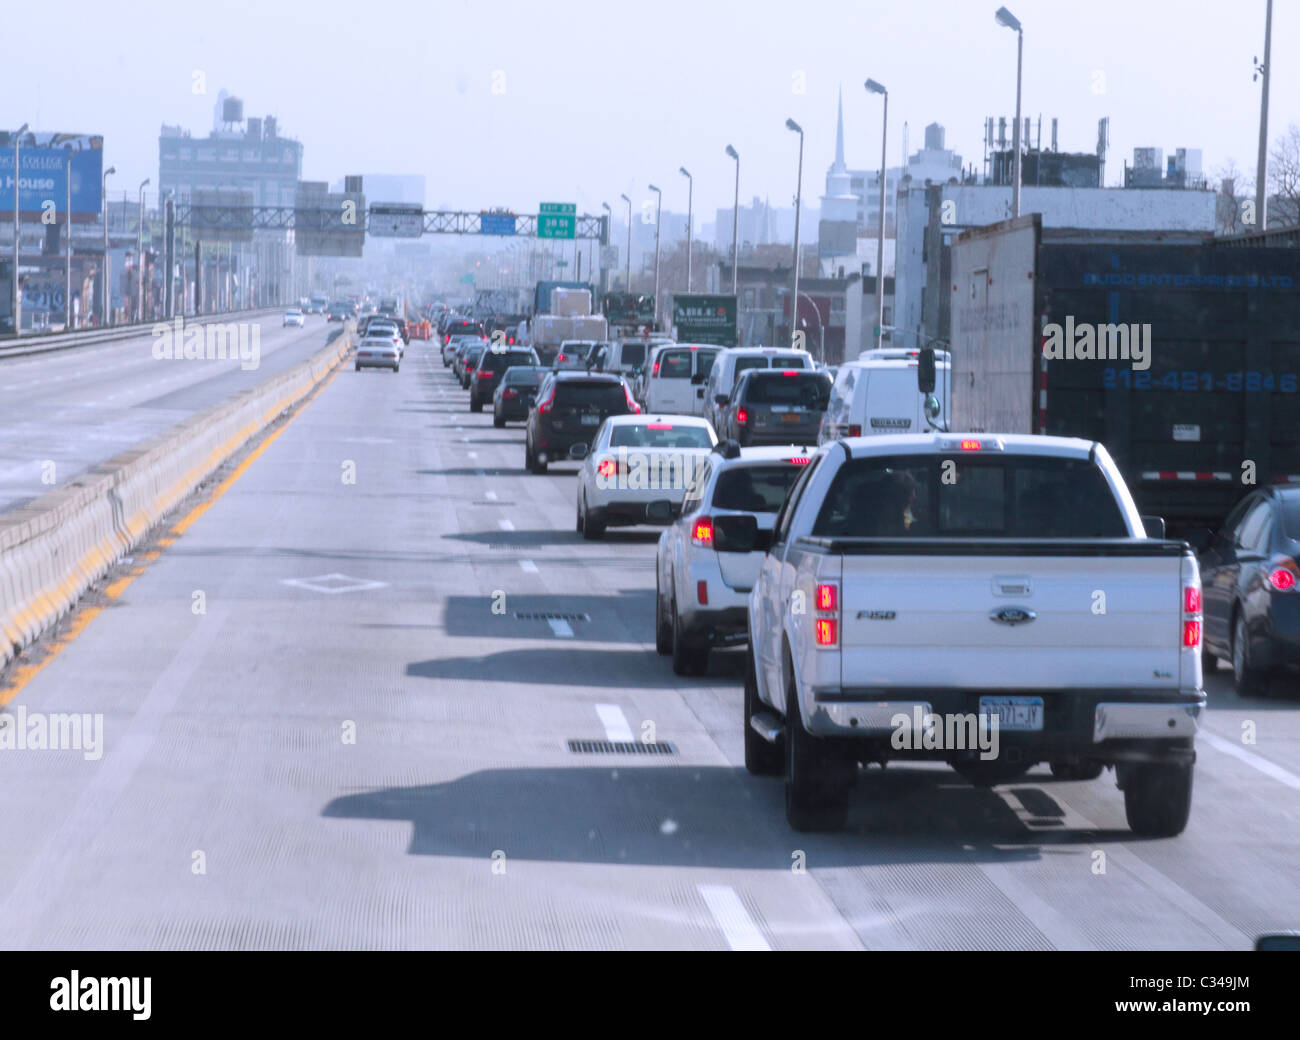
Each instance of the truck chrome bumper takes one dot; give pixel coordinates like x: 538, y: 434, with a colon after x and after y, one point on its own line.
x: 863, y: 718
x: 1127, y: 721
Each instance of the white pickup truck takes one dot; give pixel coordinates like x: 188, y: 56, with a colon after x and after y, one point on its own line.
x: 988, y: 601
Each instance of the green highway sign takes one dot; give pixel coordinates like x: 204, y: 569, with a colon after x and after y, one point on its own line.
x: 561, y: 263
x: 557, y: 219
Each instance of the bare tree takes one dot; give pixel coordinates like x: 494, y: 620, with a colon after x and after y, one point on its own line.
x: 1235, y: 188
x: 1284, y: 180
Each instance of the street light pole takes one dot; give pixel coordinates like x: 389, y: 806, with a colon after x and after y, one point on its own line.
x: 821, y: 328
x: 877, y: 88
x: 16, y: 297
x: 1005, y: 17
x: 139, y: 257
x: 67, y: 252
x: 604, y: 275
x: 627, y: 278
x: 798, y: 206
x: 659, y: 202
x: 735, y: 224
x: 690, y: 202
x: 103, y: 274
x: 1261, y: 169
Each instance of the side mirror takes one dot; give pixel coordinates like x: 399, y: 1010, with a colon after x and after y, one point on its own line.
x: 735, y: 534
x: 1155, y: 526
x: 925, y: 375
x: 721, y: 400
x: 659, y: 512
x: 578, y: 451
x: 1200, y: 538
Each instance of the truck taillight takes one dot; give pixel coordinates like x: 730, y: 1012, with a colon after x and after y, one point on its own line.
x: 826, y: 625
x: 1192, y: 614
x: 855, y: 431
x: 1191, y: 600
x: 1191, y: 633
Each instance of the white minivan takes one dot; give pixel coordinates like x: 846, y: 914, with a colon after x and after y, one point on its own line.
x: 674, y: 377
x: 728, y: 365
x: 877, y: 394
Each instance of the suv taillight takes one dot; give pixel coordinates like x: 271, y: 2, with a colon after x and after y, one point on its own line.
x: 632, y: 406
x: 702, y: 532
x: 545, y: 406
x: 826, y: 622
x: 742, y: 416
x: 485, y: 375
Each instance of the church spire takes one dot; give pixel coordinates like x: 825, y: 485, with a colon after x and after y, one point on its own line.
x: 839, y: 136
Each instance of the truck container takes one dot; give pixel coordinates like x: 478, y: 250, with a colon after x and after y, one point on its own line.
x: 1180, y: 354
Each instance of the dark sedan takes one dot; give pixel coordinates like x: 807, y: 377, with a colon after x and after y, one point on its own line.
x: 516, y: 393
x: 1251, y: 587
x: 492, y: 365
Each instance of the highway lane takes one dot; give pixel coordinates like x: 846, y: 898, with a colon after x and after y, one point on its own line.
x: 349, y: 747
x: 66, y: 411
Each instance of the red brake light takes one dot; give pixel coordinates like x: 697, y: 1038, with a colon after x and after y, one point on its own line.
x: 507, y: 392
x: 659, y: 426
x: 656, y: 369
x: 855, y: 431
x: 1191, y: 633
x: 702, y: 532
x: 545, y: 406
x: 742, y: 416
x: 607, y: 468
x: 971, y: 445
x: 633, y: 407
x: 561, y: 357
x: 485, y: 375
x: 824, y: 631
x: 1192, y: 599
x: 827, y: 597
x: 1282, y: 579
x: 799, y: 460
x: 789, y: 372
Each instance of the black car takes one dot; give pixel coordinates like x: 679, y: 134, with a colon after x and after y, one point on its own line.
x: 467, y: 361
x: 570, y: 408
x: 776, y: 406
x: 492, y: 365
x: 1250, y: 581
x: 516, y: 393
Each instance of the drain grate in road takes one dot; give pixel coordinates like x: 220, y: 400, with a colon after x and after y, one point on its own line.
x: 546, y: 615
x: 621, y: 747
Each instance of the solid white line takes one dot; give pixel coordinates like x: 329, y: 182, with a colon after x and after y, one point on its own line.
x: 615, y: 722
x: 1253, y: 760
x: 560, y: 628
x: 528, y: 566
x: 505, y: 525
x: 729, y: 912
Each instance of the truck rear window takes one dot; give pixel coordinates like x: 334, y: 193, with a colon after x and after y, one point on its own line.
x: 499, y: 361
x: 992, y: 496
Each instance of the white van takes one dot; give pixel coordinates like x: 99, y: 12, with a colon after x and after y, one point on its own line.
x: 877, y: 394
x: 674, y: 377
x: 728, y: 365
x: 624, y: 356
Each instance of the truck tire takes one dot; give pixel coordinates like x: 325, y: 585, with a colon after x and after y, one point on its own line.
x: 1249, y: 680
x: 818, y: 777
x: 688, y: 657
x: 761, y: 758
x: 1158, y: 799
x: 663, y: 629
x: 1076, y: 770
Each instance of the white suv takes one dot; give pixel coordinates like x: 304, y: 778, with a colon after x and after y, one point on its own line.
x: 701, y: 586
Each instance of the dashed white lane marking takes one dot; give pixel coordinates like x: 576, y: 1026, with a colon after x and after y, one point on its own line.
x: 1253, y: 760
x: 528, y: 566
x: 473, y: 454
x: 490, y: 494
x: 505, y: 525
x: 729, y: 912
x: 560, y: 628
x: 615, y: 722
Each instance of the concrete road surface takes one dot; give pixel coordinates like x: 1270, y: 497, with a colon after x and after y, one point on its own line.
x: 318, y: 732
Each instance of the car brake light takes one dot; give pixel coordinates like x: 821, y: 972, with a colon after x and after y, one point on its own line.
x: 799, y: 460
x: 826, y: 602
x: 1191, y: 600
x: 826, y: 597
x: 545, y: 406
x: 1191, y: 633
x: 633, y: 407
x: 1282, y: 579
x: 508, y: 393
x: 607, y: 468
x: 702, y: 592
x: 702, y: 532
x: 561, y: 357
x: 789, y: 372
x: 855, y: 431
x: 485, y: 375
x: 824, y: 631
x: 659, y: 426
x: 742, y: 416
x: 971, y: 445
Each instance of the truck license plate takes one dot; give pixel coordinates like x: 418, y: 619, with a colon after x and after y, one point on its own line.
x: 791, y: 417
x: 1014, y: 713
x: 590, y: 420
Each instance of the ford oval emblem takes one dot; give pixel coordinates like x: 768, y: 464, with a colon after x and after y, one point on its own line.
x: 1012, y: 615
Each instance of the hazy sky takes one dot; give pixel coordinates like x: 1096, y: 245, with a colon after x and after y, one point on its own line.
x: 510, y: 103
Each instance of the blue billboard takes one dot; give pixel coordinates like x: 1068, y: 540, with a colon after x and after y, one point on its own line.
x: 43, y: 178
x: 496, y: 224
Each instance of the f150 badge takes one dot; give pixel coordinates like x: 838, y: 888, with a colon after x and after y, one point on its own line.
x: 1012, y: 615
x: 877, y: 615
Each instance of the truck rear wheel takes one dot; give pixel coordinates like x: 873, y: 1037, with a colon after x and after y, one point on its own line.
x: 761, y: 758
x: 818, y: 776
x: 1158, y: 799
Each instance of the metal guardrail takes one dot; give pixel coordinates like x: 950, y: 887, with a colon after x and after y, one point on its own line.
x: 42, y: 344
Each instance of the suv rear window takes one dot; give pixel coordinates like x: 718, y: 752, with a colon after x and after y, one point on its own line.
x: 525, y: 375
x: 806, y: 390
x: 633, y: 353
x: 992, y: 496
x: 499, y: 361
x: 755, y: 489
x: 609, y: 397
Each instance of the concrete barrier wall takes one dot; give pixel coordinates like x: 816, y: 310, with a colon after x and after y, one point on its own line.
x: 54, y: 548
